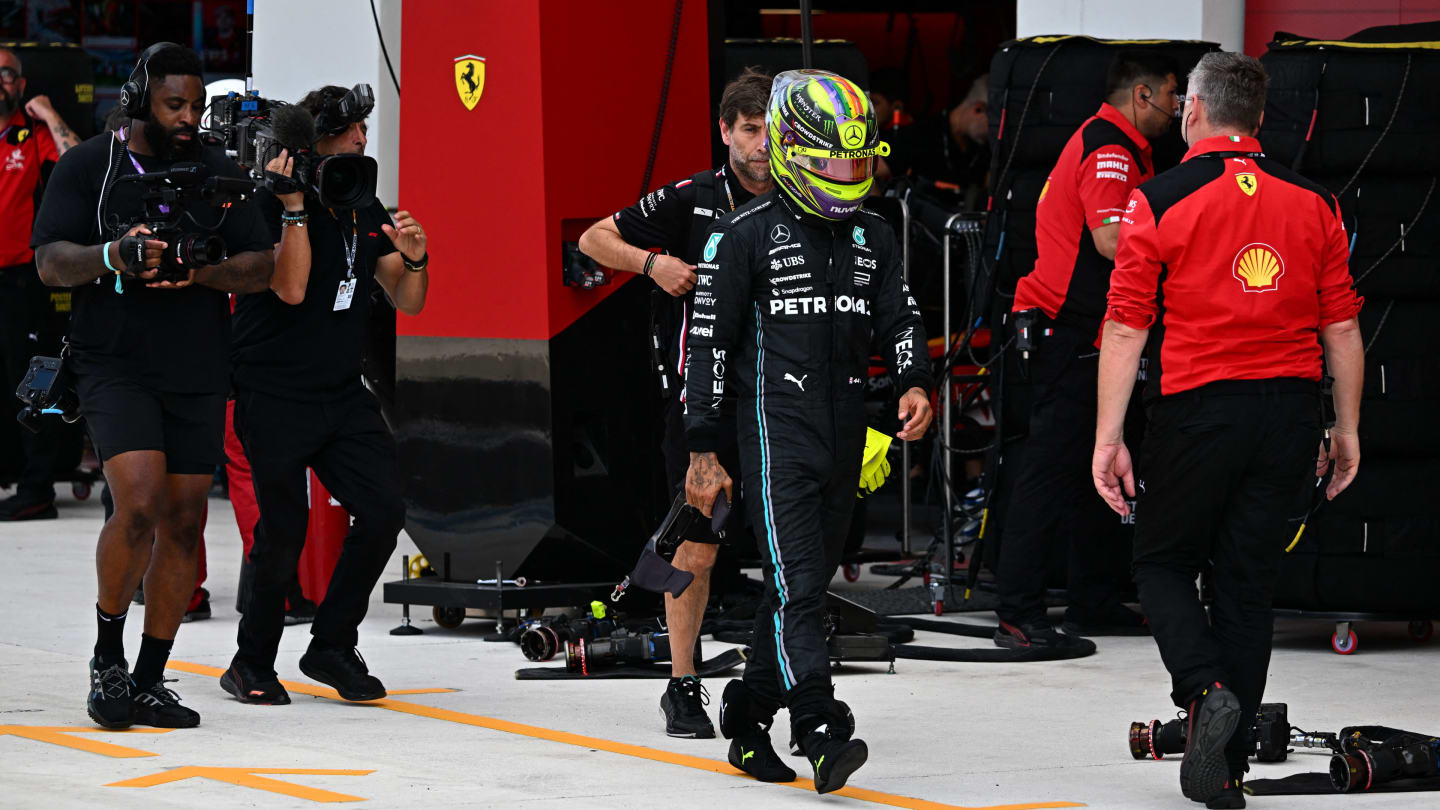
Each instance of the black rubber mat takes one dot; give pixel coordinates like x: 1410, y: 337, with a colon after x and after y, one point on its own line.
x: 915, y: 601
x: 714, y: 667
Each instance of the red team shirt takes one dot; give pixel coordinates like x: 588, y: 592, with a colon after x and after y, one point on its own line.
x: 1101, y: 164
x: 1234, y: 263
x: 24, y: 146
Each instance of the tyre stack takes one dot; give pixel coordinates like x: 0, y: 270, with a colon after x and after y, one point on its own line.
x: 1359, y: 117
x: 1041, y: 90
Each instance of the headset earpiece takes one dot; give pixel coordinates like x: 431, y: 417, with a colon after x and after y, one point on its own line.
x: 135, y: 92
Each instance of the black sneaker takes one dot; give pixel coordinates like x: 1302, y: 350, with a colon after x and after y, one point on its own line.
x: 1231, y: 797
x: 28, y: 506
x: 683, y: 706
x: 1118, y: 621
x: 344, y: 670
x: 1040, y: 635
x: 160, y: 707
x: 832, y: 759
x: 1204, y: 773
x: 754, y: 755
x: 201, y: 611
x: 300, y: 611
x: 251, y: 684
x: 110, y: 704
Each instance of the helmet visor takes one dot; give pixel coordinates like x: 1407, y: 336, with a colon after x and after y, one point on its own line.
x: 841, y: 165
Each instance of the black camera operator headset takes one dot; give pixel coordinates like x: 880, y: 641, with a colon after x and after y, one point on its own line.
x: 135, y: 104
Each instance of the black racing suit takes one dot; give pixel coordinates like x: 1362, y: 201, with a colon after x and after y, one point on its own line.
x: 786, y: 306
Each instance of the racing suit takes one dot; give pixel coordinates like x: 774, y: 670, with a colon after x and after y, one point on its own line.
x: 786, y: 306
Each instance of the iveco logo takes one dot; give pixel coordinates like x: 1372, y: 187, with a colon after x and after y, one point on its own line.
x: 779, y: 234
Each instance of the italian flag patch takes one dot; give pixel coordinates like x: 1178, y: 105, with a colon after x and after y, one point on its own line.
x: 1109, y: 220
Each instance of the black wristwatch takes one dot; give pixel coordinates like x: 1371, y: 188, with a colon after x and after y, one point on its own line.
x: 415, y: 267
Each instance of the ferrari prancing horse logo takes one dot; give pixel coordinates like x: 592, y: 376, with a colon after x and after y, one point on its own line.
x: 469, y: 79
x: 1246, y: 180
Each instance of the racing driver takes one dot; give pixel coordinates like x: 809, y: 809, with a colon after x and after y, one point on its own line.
x: 792, y: 288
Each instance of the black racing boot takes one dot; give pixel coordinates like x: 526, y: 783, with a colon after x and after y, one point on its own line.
x: 683, y: 706
x: 745, y: 722
x: 1204, y: 772
x: 1230, y: 797
x: 833, y: 754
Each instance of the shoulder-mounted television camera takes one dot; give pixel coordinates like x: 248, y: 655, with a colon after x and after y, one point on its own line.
x: 165, y: 197
x: 254, y: 129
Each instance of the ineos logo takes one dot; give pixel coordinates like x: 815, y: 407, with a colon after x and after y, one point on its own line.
x: 779, y: 234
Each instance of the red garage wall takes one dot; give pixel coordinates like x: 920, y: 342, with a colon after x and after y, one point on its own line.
x: 1327, y: 19
x: 561, y: 132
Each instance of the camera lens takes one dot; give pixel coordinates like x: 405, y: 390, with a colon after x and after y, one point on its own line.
x: 1350, y: 772
x: 346, y: 181
x: 197, y: 250
x: 539, y: 643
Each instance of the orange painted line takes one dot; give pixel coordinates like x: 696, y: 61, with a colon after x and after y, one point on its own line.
x: 60, y: 735
x: 626, y: 749
x: 247, y: 777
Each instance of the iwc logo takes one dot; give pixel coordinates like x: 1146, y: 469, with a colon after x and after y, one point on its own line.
x: 469, y: 79
x: 1259, y: 267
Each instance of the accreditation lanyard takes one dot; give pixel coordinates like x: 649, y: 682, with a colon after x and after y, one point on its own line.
x: 728, y: 195
x: 164, y: 209
x: 346, y: 293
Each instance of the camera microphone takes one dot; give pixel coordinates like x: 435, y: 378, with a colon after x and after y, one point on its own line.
x: 294, y: 128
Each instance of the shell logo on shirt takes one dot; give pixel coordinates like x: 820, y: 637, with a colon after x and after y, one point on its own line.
x: 1259, y: 267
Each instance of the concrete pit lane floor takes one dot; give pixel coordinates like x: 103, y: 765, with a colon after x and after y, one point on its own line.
x: 470, y: 735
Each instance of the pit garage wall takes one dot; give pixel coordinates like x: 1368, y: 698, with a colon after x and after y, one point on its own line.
x: 525, y: 409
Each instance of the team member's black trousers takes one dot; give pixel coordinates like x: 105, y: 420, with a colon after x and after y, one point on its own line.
x: 802, y: 471
x: 1224, y: 468
x: 28, y: 327
x: 350, y: 448
x: 1054, y: 499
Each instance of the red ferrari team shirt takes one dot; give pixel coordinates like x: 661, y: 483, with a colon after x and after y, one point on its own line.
x: 1101, y: 164
x: 1234, y: 263
x: 24, y: 146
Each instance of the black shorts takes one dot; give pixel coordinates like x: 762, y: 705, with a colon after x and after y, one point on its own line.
x: 125, y: 415
x: 677, y: 462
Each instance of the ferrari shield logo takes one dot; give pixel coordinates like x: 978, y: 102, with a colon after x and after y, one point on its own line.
x: 469, y: 79
x: 1246, y: 180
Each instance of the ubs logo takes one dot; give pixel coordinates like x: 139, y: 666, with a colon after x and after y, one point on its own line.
x: 779, y: 234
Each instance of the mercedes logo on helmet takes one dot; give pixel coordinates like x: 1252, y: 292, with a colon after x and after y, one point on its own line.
x: 779, y: 234
x: 854, y: 135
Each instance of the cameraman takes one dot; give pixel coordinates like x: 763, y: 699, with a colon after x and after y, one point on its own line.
x: 300, y: 403
x: 149, y: 359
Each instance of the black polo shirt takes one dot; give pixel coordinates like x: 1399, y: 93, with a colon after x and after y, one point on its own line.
x: 311, y: 351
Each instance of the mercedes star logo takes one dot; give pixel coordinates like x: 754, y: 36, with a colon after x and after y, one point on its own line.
x: 853, y: 138
x: 780, y: 234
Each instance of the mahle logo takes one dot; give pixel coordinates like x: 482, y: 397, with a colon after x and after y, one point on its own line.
x: 713, y: 245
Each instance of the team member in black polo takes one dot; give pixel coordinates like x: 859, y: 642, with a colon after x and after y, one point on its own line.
x: 300, y: 403
x: 1236, y: 270
x: 676, y: 217
x: 1076, y: 223
x: 150, y: 365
